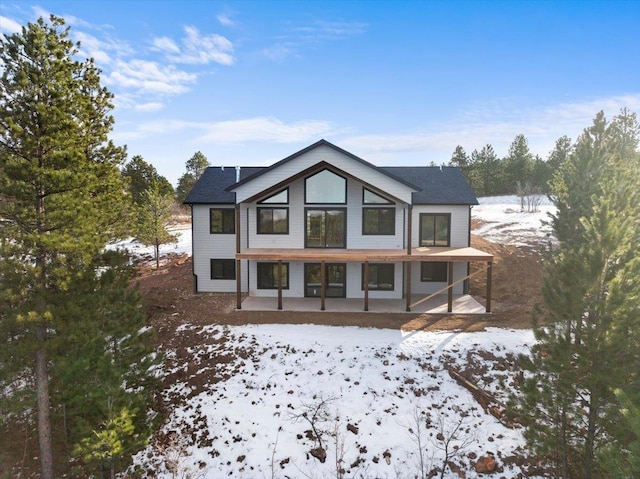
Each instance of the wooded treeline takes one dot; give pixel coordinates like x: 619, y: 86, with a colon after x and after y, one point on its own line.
x: 519, y: 172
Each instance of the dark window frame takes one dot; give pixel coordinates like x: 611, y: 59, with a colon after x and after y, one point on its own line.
x: 441, y: 276
x: 346, y: 185
x: 344, y: 226
x: 259, y: 229
x: 274, y: 278
x: 434, y: 216
x: 378, y: 232
x: 364, y: 202
x: 266, y: 201
x: 377, y: 267
x: 228, y: 268
x: 227, y: 227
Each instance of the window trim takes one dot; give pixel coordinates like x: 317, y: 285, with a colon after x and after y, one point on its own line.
x: 224, y: 261
x: 259, y: 223
x: 387, y: 202
x: 223, y: 211
x: 274, y: 265
x: 433, y: 216
x: 346, y: 186
x: 265, y: 201
x: 325, y: 209
x: 378, y: 233
x: 378, y: 288
x: 438, y: 278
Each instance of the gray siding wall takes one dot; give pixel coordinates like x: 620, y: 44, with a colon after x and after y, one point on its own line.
x: 207, y: 246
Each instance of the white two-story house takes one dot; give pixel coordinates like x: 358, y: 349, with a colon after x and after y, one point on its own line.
x: 324, y: 223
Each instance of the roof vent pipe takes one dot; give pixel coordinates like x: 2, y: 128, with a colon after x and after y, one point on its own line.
x: 440, y: 168
x: 237, y: 174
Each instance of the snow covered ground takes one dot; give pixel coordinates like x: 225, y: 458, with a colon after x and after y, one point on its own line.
x: 382, y: 402
x: 503, y: 221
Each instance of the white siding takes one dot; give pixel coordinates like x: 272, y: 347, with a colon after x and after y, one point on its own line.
x: 459, y: 223
x: 335, y: 158
x: 207, y: 246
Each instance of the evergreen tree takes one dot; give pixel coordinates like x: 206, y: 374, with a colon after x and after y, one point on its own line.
x: 154, y: 215
x: 485, y: 172
x: 560, y: 153
x: 518, y: 164
x: 62, y: 201
x: 195, y: 166
x: 591, y: 347
x: 141, y: 175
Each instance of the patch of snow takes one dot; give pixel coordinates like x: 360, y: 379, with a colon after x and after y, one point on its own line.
x: 252, y: 424
x: 504, y: 222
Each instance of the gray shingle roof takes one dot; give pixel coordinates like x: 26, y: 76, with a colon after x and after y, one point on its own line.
x: 438, y: 186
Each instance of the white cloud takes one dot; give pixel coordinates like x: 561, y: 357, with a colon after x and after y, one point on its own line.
x: 265, y: 129
x: 150, y: 106
x: 475, y: 128
x: 197, y: 48
x: 8, y: 26
x: 323, y: 30
x: 149, y: 77
x: 165, y: 44
x: 225, y: 20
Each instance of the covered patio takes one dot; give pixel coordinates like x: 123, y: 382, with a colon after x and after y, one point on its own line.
x: 431, y: 303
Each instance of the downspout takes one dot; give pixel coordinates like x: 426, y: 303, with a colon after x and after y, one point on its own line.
x: 193, y: 262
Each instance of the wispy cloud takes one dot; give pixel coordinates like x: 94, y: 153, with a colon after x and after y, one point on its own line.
x: 150, y: 77
x: 151, y: 106
x: 334, y: 30
x: 8, y: 26
x: 296, y: 37
x: 225, y: 20
x: 475, y: 128
x: 196, y: 48
x: 265, y: 129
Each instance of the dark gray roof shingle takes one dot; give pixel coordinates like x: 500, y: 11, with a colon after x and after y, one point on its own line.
x: 438, y: 186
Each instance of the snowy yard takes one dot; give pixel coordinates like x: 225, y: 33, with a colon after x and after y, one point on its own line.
x: 256, y: 401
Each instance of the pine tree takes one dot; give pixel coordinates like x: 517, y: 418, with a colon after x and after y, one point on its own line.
x: 154, y: 215
x: 61, y: 201
x: 518, y: 164
x: 141, y: 175
x: 590, y: 347
x: 195, y: 166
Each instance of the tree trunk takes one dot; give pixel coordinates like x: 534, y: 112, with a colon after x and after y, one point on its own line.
x: 157, y: 248
x: 44, y: 417
x: 589, y: 447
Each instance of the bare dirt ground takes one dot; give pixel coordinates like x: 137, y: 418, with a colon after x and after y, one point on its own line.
x: 517, y: 276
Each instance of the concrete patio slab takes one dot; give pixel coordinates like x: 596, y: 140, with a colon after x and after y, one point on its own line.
x: 462, y: 304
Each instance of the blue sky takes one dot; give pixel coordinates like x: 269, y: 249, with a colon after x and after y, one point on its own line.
x: 396, y: 83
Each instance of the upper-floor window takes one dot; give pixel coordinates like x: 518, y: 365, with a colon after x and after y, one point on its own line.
x: 280, y: 198
x: 371, y: 198
x: 273, y: 221
x: 435, y: 229
x: 378, y: 221
x: 222, y: 220
x: 325, y: 187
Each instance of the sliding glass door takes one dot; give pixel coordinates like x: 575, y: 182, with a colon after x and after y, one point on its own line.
x: 326, y: 228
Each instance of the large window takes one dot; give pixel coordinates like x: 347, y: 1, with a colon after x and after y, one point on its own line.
x: 273, y: 221
x: 326, y: 228
x: 222, y: 221
x: 433, y: 271
x: 325, y: 187
x: 435, y: 229
x: 378, y: 221
x: 223, y: 269
x: 381, y: 276
x: 268, y: 275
